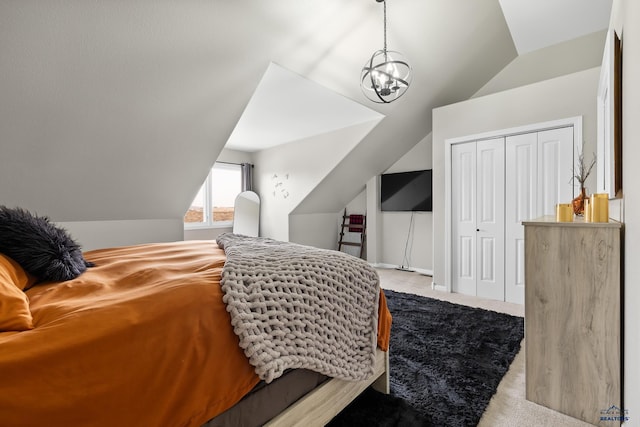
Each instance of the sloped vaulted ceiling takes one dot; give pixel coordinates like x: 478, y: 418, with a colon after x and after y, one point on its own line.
x: 116, y: 109
x: 286, y: 107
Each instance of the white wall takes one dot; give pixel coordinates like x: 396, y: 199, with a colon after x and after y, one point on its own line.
x: 109, y: 233
x: 388, y: 232
x: 286, y: 174
x: 205, y: 233
x: 399, y: 246
x: 106, y: 234
x: 558, y: 60
x: 625, y: 19
x: 112, y: 110
x: 562, y: 97
x: 374, y: 222
x: 115, y: 111
x: 358, y: 205
x: 318, y: 230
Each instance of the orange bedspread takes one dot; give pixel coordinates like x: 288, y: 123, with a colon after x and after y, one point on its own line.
x: 142, y: 339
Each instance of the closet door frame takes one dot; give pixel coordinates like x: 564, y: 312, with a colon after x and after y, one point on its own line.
x: 576, y: 122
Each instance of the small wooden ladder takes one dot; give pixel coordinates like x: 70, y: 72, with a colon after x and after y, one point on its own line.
x: 353, y: 224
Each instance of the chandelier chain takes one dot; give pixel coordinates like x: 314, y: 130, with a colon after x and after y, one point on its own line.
x: 384, y: 4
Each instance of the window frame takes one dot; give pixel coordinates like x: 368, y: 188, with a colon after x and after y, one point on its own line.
x: 207, y: 210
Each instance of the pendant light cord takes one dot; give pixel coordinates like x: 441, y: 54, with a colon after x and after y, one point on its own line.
x: 384, y: 4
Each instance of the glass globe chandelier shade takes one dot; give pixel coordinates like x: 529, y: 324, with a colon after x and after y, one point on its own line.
x: 387, y: 74
x: 385, y: 77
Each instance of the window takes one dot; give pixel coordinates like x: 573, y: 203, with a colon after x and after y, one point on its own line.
x: 213, y: 205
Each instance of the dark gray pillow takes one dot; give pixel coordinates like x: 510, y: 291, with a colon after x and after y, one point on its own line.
x: 41, y: 248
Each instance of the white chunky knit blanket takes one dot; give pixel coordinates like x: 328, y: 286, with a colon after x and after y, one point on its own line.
x: 294, y: 306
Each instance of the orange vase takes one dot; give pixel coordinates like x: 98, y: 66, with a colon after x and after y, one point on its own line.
x: 578, y: 202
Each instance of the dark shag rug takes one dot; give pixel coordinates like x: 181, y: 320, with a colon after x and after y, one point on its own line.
x: 446, y: 362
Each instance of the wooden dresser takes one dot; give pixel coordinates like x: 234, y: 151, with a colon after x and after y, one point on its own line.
x: 573, y: 318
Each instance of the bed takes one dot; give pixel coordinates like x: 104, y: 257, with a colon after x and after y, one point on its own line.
x: 143, y: 337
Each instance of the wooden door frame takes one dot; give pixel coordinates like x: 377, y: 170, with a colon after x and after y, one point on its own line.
x: 576, y: 122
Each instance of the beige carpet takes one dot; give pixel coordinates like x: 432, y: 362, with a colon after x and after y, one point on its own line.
x: 508, y: 407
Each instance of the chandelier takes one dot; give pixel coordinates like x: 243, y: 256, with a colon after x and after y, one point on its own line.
x: 387, y: 74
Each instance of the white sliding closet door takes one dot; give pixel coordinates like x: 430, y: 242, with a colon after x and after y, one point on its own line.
x: 538, y: 170
x: 495, y: 185
x: 555, y: 169
x: 490, y: 218
x: 463, y: 211
x: 478, y: 209
x: 521, y: 205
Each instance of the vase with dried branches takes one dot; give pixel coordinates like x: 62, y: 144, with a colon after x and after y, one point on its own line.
x: 580, y: 174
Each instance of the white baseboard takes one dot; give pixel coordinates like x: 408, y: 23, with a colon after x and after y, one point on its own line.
x: 412, y: 269
x: 442, y: 288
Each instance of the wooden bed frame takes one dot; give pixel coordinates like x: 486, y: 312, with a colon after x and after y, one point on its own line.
x: 323, y: 403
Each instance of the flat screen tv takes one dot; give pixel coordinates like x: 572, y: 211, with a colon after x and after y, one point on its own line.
x: 406, y: 191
